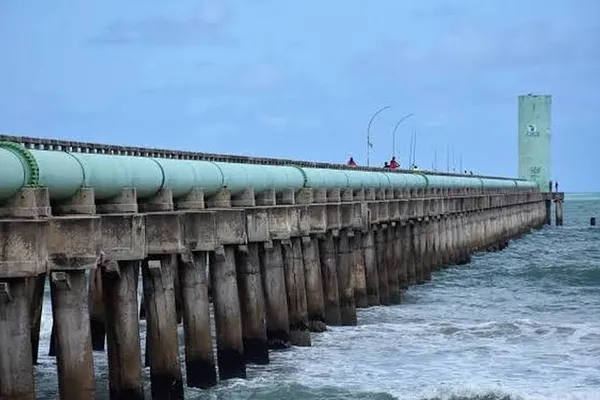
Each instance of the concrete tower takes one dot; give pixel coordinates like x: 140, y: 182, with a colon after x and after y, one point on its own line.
x: 535, y: 139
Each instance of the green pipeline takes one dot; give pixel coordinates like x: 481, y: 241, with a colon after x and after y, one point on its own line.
x: 65, y: 173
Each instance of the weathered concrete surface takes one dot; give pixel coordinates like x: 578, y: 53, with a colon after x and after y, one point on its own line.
x: 296, y: 292
x: 382, y: 265
x: 394, y: 293
x: 161, y: 331
x: 228, y: 318
x: 254, y: 326
x: 16, y: 369
x: 36, y: 301
x: 273, y: 280
x: 314, y: 285
x: 199, y: 359
x: 345, y: 285
x: 119, y: 286
x: 371, y: 273
x: 359, y: 278
x: 328, y: 254
x: 96, y: 305
x: 69, y: 292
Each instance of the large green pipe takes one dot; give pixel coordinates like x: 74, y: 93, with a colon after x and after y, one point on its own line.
x: 65, y: 173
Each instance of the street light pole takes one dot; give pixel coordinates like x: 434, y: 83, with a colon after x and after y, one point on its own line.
x: 369, y: 144
x: 394, y: 132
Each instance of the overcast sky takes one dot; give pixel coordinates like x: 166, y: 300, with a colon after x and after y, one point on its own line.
x: 300, y: 79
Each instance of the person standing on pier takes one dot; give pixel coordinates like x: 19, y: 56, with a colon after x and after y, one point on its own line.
x: 550, y: 186
x: 556, y: 187
x: 393, y: 163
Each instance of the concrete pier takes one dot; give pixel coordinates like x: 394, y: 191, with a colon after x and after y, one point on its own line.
x: 119, y: 286
x: 293, y: 266
x: 199, y: 358
x: 328, y: 253
x: 273, y: 279
x: 16, y: 369
x: 161, y: 331
x: 228, y: 318
x: 345, y: 285
x: 282, y: 261
x: 252, y: 302
x: 314, y: 285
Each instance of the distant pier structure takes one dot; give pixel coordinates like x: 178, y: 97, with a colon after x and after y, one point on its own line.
x: 535, y: 148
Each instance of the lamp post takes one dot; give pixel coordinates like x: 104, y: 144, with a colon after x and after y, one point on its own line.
x: 369, y: 144
x: 394, y: 132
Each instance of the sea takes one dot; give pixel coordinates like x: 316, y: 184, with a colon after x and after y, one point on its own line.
x: 523, y: 323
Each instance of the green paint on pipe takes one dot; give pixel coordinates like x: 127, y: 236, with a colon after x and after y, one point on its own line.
x: 13, y: 174
x: 322, y: 178
x: 237, y: 177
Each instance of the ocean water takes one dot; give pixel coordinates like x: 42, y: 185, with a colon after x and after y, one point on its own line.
x: 523, y: 323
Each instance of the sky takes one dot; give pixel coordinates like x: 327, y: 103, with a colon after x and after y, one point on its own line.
x: 301, y: 79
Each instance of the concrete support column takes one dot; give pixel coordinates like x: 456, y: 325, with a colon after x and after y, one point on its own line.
x: 358, y: 270
x: 16, y: 369
x: 295, y: 283
x: 161, y: 327
x: 228, y: 318
x: 328, y: 254
x: 69, y: 292
x: 199, y: 355
x: 119, y: 287
x: 427, y: 249
x: 444, y: 242
x: 371, y: 273
x: 345, y: 286
x: 399, y: 257
x: 273, y: 279
x: 314, y: 285
x: 394, y: 292
x: 451, y: 240
x: 409, y: 254
x: 252, y: 302
x: 558, y: 212
x: 96, y: 305
x: 436, y: 263
x: 418, y: 245
x: 382, y: 266
x: 36, y: 293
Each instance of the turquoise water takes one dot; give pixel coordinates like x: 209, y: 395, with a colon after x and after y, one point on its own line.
x: 518, y: 324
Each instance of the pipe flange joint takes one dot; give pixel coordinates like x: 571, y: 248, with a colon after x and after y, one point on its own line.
x: 33, y: 169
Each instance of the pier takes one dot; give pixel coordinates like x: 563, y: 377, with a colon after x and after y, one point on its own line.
x: 280, y: 248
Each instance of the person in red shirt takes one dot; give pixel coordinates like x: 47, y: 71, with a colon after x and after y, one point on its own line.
x: 351, y: 162
x: 393, y: 163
